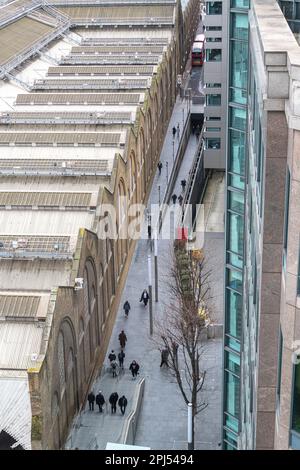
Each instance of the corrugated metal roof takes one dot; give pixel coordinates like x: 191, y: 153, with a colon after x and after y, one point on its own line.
x: 19, y: 305
x: 119, y: 11
x: 60, y: 138
x: 144, y: 49
x: 46, y: 199
x: 110, y: 59
x: 57, y: 116
x: 15, y: 410
x: 125, y: 40
x: 102, y: 70
x: 90, y: 84
x: 78, y: 98
x: 20, y: 344
x: 19, y: 35
x: 47, y: 164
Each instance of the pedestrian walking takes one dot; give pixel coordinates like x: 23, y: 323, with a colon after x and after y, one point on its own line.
x: 197, y: 131
x: 100, y: 400
x: 178, y: 131
x: 122, y: 339
x: 159, y: 166
x: 183, y: 184
x: 112, y: 357
x: 149, y: 231
x: 126, y: 308
x: 144, y: 297
x: 180, y: 199
x: 164, y: 357
x: 91, y: 400
x: 122, y: 404
x: 174, y: 198
x: 113, y: 399
x: 134, y: 367
x: 174, y: 132
x: 114, y: 369
x: 121, y: 357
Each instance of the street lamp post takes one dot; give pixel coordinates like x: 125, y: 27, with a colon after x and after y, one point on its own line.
x: 190, y: 426
x: 159, y: 208
x: 150, y: 293
x: 155, y: 266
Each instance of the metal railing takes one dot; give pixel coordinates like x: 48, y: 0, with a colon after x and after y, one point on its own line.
x: 75, y: 86
x: 33, y: 247
x: 12, y: 14
x: 110, y: 60
x: 48, y: 173
x: 114, y: 22
x: 40, y: 119
x: 110, y: 2
x: 32, y: 50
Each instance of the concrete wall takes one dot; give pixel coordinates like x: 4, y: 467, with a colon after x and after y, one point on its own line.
x: 216, y: 72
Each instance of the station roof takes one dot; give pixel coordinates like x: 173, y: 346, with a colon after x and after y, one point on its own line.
x: 63, y: 128
x: 17, y: 36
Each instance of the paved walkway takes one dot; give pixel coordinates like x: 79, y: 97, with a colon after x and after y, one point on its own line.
x: 163, y: 417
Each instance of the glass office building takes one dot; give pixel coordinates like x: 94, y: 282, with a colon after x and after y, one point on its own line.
x: 236, y: 168
x: 261, y: 398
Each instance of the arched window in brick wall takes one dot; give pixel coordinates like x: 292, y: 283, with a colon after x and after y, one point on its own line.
x: 86, y: 314
x: 61, y: 362
x: 83, y: 366
x: 122, y: 216
x: 132, y: 176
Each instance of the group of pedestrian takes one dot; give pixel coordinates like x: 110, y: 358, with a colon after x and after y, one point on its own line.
x: 121, y: 355
x: 196, y: 129
x: 180, y: 197
x: 99, y: 399
x: 144, y: 298
x: 113, y: 400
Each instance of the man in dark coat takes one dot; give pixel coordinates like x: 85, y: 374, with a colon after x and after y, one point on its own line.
x: 122, y: 339
x: 164, y: 357
x: 113, y: 401
x: 126, y: 307
x: 144, y: 297
x: 134, y: 367
x: 100, y: 400
x: 112, y: 357
x: 122, y: 404
x: 174, y: 130
x: 91, y: 400
x: 121, y: 357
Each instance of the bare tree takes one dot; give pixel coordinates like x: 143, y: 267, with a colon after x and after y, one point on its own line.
x: 180, y: 333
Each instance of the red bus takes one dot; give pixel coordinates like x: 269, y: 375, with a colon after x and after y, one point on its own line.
x: 197, y: 54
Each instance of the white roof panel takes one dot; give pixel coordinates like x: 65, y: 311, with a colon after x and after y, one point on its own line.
x: 18, y: 343
x: 15, y: 410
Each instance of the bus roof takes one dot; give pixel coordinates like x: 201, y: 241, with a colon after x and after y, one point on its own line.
x: 198, y: 46
x: 199, y: 38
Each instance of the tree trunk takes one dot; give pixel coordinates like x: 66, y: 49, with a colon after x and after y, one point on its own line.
x: 193, y: 430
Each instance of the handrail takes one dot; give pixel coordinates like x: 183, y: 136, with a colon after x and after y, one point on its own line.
x: 129, y: 428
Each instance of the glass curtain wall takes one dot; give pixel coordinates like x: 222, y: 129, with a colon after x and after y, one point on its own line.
x: 236, y: 155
